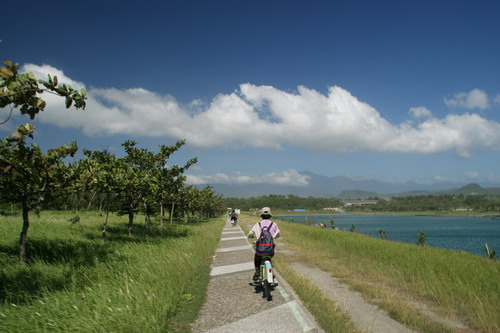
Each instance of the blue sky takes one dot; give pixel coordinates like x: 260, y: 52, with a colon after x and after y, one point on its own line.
x: 261, y: 90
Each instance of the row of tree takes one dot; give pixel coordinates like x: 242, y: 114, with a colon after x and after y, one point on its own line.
x: 285, y: 202
x: 447, y: 202
x: 141, y: 181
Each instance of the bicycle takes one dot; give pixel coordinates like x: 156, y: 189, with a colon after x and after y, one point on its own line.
x: 266, y: 278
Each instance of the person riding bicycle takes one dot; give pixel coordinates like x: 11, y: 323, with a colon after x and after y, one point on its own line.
x: 234, y: 217
x: 266, y: 215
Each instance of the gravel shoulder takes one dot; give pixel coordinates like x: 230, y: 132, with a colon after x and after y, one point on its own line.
x: 366, y: 317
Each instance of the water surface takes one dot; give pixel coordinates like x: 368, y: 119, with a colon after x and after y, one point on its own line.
x: 453, y: 233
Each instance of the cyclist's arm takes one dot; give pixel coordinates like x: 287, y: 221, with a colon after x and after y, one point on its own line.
x: 278, y: 233
x: 255, y: 232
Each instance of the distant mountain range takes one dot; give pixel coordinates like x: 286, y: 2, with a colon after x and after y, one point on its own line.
x: 346, y: 188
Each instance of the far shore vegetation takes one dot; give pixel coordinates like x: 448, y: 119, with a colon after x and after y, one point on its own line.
x: 458, y: 204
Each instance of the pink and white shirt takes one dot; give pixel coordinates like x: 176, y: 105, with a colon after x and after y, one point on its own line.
x: 256, y: 229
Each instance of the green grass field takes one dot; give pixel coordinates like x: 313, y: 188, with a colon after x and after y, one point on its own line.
x: 74, y: 281
x: 155, y: 280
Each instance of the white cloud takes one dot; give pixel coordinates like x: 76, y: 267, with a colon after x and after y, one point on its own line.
x: 439, y: 178
x: 266, y: 117
x: 474, y: 99
x: 420, y: 112
x: 41, y: 72
x: 496, y: 99
x: 288, y: 177
x: 472, y: 174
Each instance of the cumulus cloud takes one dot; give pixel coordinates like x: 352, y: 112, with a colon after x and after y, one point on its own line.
x: 266, y: 117
x: 288, y: 177
x: 420, y: 112
x: 474, y: 99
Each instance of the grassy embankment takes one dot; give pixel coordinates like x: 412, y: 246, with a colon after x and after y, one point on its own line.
x: 153, y: 281
x: 394, y: 276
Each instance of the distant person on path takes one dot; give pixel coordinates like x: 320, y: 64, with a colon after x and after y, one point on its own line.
x: 256, y: 231
x: 234, y: 217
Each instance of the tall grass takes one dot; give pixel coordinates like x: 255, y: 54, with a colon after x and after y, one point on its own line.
x: 75, y: 281
x: 458, y: 283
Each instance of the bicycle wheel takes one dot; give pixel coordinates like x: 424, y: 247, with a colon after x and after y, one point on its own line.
x: 267, y: 290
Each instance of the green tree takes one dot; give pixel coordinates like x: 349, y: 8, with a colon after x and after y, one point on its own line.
x: 22, y: 90
x: 104, y: 175
x: 136, y: 175
x: 168, y: 180
x: 30, y: 177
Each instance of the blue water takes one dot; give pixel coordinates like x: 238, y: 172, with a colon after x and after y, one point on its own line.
x: 453, y: 233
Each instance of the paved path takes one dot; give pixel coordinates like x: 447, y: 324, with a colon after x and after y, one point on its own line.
x: 234, y: 304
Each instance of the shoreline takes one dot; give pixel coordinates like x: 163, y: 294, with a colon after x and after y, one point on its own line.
x: 492, y: 215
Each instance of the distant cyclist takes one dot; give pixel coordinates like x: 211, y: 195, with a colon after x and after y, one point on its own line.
x: 256, y: 231
x: 234, y: 217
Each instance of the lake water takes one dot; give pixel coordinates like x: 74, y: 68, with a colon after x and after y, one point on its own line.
x: 452, y: 233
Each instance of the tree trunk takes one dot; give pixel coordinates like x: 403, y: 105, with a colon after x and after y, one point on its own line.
x: 24, y: 233
x: 172, y: 212
x: 91, y: 199
x: 161, y: 215
x: 130, y: 219
x: 105, y: 225
x: 147, y: 221
x: 102, y: 201
x: 77, y: 208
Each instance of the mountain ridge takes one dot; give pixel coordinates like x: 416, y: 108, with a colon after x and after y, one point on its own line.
x: 345, y: 188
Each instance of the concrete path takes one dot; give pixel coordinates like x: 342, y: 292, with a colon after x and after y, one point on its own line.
x: 235, y: 304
